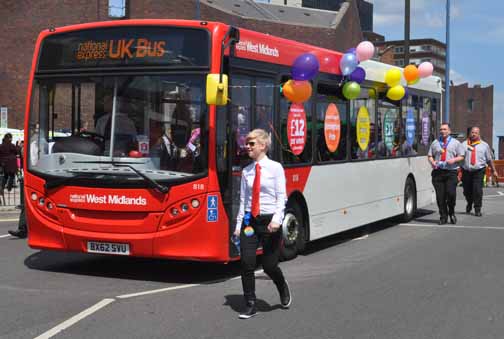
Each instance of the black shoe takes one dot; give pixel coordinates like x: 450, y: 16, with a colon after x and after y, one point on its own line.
x: 249, y: 312
x: 468, y: 209
x: 453, y: 219
x: 285, y: 295
x: 443, y: 221
x: 18, y: 233
x: 478, y: 213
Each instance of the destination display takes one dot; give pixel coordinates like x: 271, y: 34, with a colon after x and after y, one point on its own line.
x: 125, y: 47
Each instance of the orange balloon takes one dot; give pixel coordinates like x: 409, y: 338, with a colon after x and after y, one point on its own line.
x: 411, y: 73
x: 297, y: 91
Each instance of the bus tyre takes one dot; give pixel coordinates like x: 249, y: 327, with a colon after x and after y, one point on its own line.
x: 410, y: 203
x: 293, y: 233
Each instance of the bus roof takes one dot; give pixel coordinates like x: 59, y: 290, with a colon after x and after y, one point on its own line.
x: 264, y: 47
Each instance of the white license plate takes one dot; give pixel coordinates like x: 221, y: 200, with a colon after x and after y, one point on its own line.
x: 108, y: 248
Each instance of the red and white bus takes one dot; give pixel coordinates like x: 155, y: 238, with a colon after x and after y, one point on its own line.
x: 151, y: 162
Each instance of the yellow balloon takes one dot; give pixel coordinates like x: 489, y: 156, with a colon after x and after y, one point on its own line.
x: 396, y: 93
x: 393, y: 77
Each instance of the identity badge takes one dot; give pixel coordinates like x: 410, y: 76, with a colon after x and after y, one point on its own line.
x: 212, y: 208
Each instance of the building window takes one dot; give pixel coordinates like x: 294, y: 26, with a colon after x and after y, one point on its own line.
x: 117, y: 9
x: 263, y: 1
x: 399, y: 62
x: 470, y: 105
x: 399, y: 50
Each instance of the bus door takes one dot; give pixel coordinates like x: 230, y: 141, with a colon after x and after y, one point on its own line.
x: 251, y: 106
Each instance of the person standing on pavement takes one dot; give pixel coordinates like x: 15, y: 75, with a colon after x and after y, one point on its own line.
x: 262, y: 205
x: 477, y: 155
x: 22, y: 231
x: 444, y: 156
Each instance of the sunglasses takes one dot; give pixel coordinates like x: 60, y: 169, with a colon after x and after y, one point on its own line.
x: 250, y: 143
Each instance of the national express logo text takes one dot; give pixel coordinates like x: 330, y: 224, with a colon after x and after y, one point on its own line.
x: 119, y: 49
x: 113, y: 199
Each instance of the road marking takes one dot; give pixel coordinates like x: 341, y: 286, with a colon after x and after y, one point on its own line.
x: 126, y: 296
x: 5, y: 235
x: 500, y: 193
x: 7, y: 220
x: 494, y: 195
x: 454, y: 226
x: 76, y: 318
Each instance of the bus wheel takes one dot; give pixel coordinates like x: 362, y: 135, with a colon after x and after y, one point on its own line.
x: 410, y: 203
x: 293, y: 233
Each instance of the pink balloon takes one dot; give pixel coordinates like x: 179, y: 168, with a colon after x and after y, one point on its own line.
x: 364, y: 50
x: 425, y: 69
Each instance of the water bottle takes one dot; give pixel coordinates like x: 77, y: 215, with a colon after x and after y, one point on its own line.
x: 236, y: 241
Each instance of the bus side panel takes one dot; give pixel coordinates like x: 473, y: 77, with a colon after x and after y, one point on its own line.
x: 356, y: 193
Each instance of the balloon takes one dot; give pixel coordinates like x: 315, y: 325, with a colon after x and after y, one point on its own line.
x: 351, y: 50
x: 305, y: 67
x: 413, y: 82
x: 396, y: 93
x: 410, y: 73
x: 372, y: 93
x: 425, y: 69
x: 365, y: 51
x: 358, y: 75
x: 297, y: 91
x: 348, y: 63
x: 351, y: 90
x: 393, y: 77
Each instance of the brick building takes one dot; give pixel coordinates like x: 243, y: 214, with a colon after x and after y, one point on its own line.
x: 472, y: 106
x: 24, y: 19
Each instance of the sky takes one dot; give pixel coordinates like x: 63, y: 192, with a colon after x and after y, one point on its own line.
x: 476, y: 39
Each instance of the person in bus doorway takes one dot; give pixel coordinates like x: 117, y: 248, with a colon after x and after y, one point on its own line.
x: 477, y: 155
x: 262, y: 205
x: 22, y: 230
x: 444, y: 156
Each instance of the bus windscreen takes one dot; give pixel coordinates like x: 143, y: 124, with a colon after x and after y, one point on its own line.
x: 131, y: 46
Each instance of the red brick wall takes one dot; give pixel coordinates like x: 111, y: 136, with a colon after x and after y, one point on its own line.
x: 482, y: 114
x: 22, y: 20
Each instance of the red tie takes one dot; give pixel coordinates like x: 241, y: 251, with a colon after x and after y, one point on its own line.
x: 473, y: 155
x: 256, y: 190
x: 443, y: 150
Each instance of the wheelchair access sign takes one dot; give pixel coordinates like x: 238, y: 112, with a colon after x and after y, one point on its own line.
x: 212, y: 208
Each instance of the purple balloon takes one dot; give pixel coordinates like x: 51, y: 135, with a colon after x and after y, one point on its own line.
x: 352, y: 50
x: 305, y: 67
x: 358, y: 75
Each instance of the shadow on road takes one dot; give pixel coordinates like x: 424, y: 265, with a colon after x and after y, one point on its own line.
x: 131, y: 268
x: 180, y: 272
x: 237, y: 304
x: 361, y: 231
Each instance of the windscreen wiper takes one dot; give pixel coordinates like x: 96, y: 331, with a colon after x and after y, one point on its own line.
x: 154, y: 184
x: 52, y: 183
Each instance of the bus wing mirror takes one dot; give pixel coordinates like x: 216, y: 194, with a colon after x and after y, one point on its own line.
x: 217, y: 89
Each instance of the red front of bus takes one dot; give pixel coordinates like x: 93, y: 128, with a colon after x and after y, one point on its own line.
x: 120, y: 144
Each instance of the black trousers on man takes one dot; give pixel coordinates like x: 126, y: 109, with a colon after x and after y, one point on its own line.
x: 271, y: 251
x: 472, y: 181
x: 445, y: 184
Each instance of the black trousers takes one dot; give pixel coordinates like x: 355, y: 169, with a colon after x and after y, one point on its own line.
x: 472, y: 181
x: 271, y: 251
x: 445, y: 184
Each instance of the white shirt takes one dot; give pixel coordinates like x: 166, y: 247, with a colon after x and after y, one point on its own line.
x: 273, y: 194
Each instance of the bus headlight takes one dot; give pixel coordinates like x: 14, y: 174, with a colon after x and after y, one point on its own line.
x: 195, y: 203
